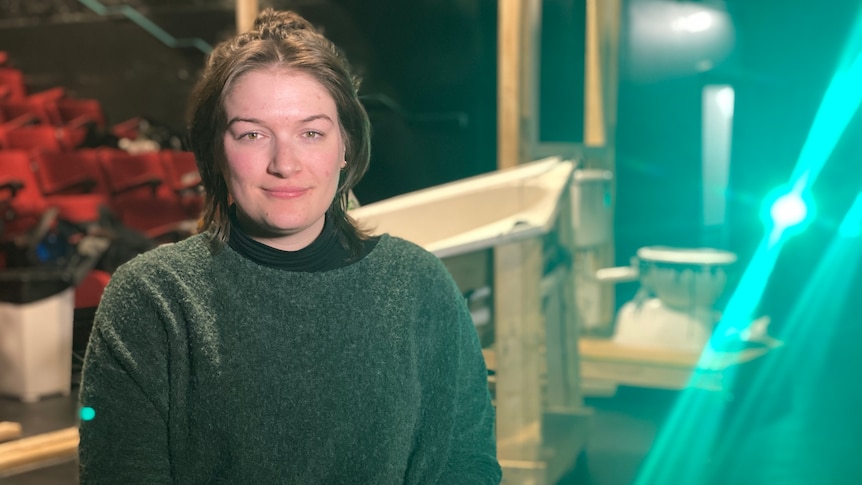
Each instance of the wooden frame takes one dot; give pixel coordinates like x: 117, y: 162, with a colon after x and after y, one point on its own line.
x: 606, y: 365
x: 38, y: 451
x: 534, y: 343
x: 542, y: 425
x: 9, y: 430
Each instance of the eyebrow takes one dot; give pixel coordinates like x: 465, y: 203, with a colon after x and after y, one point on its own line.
x: 308, y: 119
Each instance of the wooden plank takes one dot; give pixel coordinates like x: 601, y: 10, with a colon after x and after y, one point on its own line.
x: 610, y: 18
x: 594, y: 104
x: 518, y: 31
x: 647, y: 375
x: 32, y: 451
x: 565, y: 436
x: 607, y: 363
x: 9, y: 430
x: 517, y: 320
x: 246, y: 12
x: 508, y: 83
x: 608, y: 350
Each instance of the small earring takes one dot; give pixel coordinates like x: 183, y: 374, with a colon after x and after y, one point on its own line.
x: 343, y: 164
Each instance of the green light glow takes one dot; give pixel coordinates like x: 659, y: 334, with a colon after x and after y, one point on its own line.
x: 840, y: 102
x: 87, y: 413
x: 683, y: 452
x: 801, y: 365
x: 684, y: 444
x: 852, y: 225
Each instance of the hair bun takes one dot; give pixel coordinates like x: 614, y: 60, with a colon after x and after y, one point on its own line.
x: 273, y: 23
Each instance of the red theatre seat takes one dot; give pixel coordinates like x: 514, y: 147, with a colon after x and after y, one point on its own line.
x: 12, y: 82
x: 25, y: 209
x: 42, y: 137
x: 89, y: 291
x: 80, y: 112
x: 140, y: 194
x: 182, y: 175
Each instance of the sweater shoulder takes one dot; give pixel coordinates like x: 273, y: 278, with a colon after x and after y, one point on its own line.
x: 414, y: 267
x: 406, y: 253
x: 179, y: 257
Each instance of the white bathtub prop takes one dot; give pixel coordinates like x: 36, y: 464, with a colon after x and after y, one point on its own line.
x: 474, y: 213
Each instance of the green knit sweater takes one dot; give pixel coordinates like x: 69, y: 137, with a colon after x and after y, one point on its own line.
x: 205, y: 367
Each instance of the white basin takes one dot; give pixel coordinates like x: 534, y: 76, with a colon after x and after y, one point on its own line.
x: 474, y: 213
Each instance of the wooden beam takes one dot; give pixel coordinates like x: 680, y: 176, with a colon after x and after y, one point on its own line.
x: 9, y: 430
x: 517, y: 332
x: 608, y: 363
x: 246, y: 12
x: 508, y: 83
x: 600, y: 105
x: 594, y: 105
x: 610, y: 15
x: 518, y: 33
x: 31, y: 451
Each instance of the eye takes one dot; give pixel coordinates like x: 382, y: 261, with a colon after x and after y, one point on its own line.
x: 252, y: 135
x: 312, y: 134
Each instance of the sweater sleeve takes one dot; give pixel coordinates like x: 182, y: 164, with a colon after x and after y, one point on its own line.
x: 460, y: 370
x: 473, y: 456
x: 125, y: 381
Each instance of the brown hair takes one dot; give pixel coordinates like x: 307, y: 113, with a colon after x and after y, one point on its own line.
x: 280, y: 39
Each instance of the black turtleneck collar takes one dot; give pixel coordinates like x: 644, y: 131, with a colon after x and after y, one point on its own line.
x: 324, y: 253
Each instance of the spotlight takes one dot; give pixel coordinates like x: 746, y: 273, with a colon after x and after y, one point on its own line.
x: 787, y: 209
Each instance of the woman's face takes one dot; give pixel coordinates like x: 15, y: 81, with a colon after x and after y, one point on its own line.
x: 284, y: 151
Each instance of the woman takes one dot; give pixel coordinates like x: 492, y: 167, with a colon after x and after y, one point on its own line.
x: 283, y: 344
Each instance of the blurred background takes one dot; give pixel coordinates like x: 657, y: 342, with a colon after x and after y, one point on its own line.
x: 717, y: 102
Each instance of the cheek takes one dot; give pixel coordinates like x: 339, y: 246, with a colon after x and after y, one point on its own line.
x: 334, y: 176
x: 237, y: 166
x: 234, y: 178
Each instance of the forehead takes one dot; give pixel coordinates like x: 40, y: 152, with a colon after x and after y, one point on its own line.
x: 274, y: 86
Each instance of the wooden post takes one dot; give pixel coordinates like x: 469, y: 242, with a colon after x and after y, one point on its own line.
x: 517, y: 266
x: 517, y: 332
x: 600, y: 104
x: 562, y: 326
x: 246, y: 11
x: 594, y: 109
x: 519, y: 30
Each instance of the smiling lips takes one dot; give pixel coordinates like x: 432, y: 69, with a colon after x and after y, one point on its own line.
x: 286, y: 192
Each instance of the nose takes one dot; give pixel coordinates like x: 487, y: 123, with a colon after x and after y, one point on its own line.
x: 284, y: 160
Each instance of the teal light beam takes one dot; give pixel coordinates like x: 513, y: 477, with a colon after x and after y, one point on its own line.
x: 802, y: 365
x: 743, y: 302
x: 840, y: 102
x: 684, y: 451
x: 683, y: 448
x: 684, y: 444
x: 148, y: 25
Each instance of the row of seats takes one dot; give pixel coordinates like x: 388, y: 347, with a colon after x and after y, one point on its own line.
x: 48, y: 119
x: 44, y: 131
x: 152, y: 192
x: 53, y: 169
